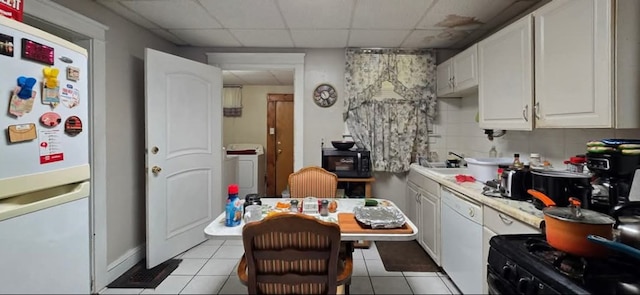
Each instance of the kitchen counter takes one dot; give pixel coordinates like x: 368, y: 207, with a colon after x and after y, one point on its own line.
x: 521, y: 210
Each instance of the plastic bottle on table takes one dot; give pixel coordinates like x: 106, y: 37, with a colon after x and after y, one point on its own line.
x: 233, y: 209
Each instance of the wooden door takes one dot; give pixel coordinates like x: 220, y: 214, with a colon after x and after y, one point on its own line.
x: 184, y: 152
x: 279, y: 142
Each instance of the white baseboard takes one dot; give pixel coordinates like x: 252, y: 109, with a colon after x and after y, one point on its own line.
x: 125, y: 262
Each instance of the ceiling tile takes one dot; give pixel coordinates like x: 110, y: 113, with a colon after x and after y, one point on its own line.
x: 169, y: 36
x: 320, y: 38
x: 376, y: 38
x: 257, y: 77
x: 314, y: 14
x: 462, y: 14
x: 263, y: 38
x: 128, y: 14
x: 433, y: 38
x: 285, y: 77
x: 245, y: 14
x: 207, y: 38
x: 384, y: 14
x: 174, y: 14
x: 228, y: 78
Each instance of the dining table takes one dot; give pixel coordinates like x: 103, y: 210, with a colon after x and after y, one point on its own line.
x: 218, y: 230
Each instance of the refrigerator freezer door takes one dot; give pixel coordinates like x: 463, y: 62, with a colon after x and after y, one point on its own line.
x: 53, y: 156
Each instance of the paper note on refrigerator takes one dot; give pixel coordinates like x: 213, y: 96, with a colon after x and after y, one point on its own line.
x: 50, y: 146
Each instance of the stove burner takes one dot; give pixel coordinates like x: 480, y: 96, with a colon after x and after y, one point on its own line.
x: 570, y: 265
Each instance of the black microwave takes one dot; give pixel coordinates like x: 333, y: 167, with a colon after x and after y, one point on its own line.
x: 354, y: 163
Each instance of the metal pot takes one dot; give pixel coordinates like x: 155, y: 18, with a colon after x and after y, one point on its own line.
x: 627, y: 224
x: 567, y: 228
x: 560, y: 185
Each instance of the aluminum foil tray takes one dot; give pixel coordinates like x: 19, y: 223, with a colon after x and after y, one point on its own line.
x: 379, y: 217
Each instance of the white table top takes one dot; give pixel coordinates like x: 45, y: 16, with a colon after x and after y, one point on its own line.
x: 217, y: 230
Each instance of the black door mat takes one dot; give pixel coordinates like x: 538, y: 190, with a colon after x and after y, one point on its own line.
x: 405, y: 256
x: 139, y: 276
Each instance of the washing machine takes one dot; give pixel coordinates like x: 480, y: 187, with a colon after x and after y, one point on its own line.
x: 251, y: 167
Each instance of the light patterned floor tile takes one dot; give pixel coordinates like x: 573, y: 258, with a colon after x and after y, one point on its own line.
x: 218, y: 267
x: 171, y: 285
x: 359, y: 269
x: 428, y: 285
x: 419, y: 274
x: 233, y: 286
x: 200, y: 251
x: 204, y: 285
x: 376, y: 269
x: 121, y: 291
x: 189, y: 267
x: 360, y: 285
x: 390, y: 285
x: 229, y: 252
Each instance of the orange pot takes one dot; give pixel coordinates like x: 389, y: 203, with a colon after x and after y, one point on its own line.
x: 567, y: 228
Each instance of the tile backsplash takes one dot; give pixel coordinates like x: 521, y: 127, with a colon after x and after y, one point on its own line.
x: 456, y: 130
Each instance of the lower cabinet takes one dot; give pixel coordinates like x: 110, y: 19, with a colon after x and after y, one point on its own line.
x: 430, y: 225
x: 423, y: 209
x: 498, y: 223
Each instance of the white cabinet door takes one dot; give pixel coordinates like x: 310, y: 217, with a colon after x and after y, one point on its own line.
x: 573, y: 64
x: 465, y: 69
x: 487, y: 234
x: 444, y: 74
x: 411, y: 201
x: 430, y: 225
x: 505, y: 88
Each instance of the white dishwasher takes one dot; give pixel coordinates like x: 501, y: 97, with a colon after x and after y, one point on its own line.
x: 461, y: 224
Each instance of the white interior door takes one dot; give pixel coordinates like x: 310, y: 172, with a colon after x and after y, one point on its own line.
x: 184, y: 152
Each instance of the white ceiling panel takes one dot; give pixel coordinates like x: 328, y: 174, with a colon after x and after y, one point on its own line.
x: 377, y: 38
x: 169, y: 36
x: 207, y: 38
x: 433, y: 38
x: 322, y: 23
x: 257, y: 77
x: 285, y: 77
x: 174, y: 14
x: 385, y: 14
x: 462, y: 14
x: 245, y: 14
x: 263, y: 38
x: 129, y: 14
x: 320, y: 39
x: 314, y: 14
x: 228, y: 78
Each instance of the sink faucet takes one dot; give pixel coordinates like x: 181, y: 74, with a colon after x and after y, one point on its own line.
x: 459, y: 156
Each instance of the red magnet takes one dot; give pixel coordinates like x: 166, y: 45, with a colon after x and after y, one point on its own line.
x: 73, y: 125
x: 50, y: 119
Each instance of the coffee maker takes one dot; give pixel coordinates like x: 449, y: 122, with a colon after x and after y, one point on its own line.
x: 613, y: 173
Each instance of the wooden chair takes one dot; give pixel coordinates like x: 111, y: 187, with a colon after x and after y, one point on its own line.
x: 313, y: 181
x: 293, y: 254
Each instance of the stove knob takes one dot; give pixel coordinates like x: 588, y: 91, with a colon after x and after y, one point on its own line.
x: 527, y: 286
x: 508, y: 271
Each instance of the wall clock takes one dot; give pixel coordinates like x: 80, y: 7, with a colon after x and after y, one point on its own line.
x: 325, y: 95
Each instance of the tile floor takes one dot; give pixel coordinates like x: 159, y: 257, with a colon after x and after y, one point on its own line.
x: 210, y: 268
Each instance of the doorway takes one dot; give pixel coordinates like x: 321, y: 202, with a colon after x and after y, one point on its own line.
x: 279, y: 142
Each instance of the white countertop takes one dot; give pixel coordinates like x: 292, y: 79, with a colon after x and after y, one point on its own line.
x: 217, y: 230
x: 521, y: 210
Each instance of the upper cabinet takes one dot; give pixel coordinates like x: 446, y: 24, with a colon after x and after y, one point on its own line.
x: 459, y: 74
x: 505, y: 70
x: 585, y: 64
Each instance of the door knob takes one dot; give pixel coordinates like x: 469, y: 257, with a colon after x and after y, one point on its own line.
x: 279, y: 151
x: 155, y: 170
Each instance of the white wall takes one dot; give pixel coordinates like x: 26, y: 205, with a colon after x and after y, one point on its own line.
x: 251, y: 127
x: 125, y: 44
x: 460, y: 133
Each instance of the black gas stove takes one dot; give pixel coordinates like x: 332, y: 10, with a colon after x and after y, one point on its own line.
x: 526, y: 264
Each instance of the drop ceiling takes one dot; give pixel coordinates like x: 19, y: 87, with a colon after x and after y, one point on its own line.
x: 256, y: 24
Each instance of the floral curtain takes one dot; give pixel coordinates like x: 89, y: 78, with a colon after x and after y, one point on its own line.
x: 391, y: 128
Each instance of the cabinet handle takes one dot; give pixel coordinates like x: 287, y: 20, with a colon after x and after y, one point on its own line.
x: 505, y: 219
x: 453, y: 81
x: 417, y: 197
x: 471, y: 212
x: 524, y: 113
x: 536, y: 110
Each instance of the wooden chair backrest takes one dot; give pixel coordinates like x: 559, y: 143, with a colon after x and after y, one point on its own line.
x: 291, y: 254
x: 313, y: 181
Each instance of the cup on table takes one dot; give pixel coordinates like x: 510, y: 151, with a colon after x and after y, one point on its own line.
x: 252, y: 213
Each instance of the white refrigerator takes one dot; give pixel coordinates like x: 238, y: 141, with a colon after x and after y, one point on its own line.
x: 44, y: 163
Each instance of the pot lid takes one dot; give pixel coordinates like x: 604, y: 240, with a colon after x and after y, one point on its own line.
x: 585, y: 215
